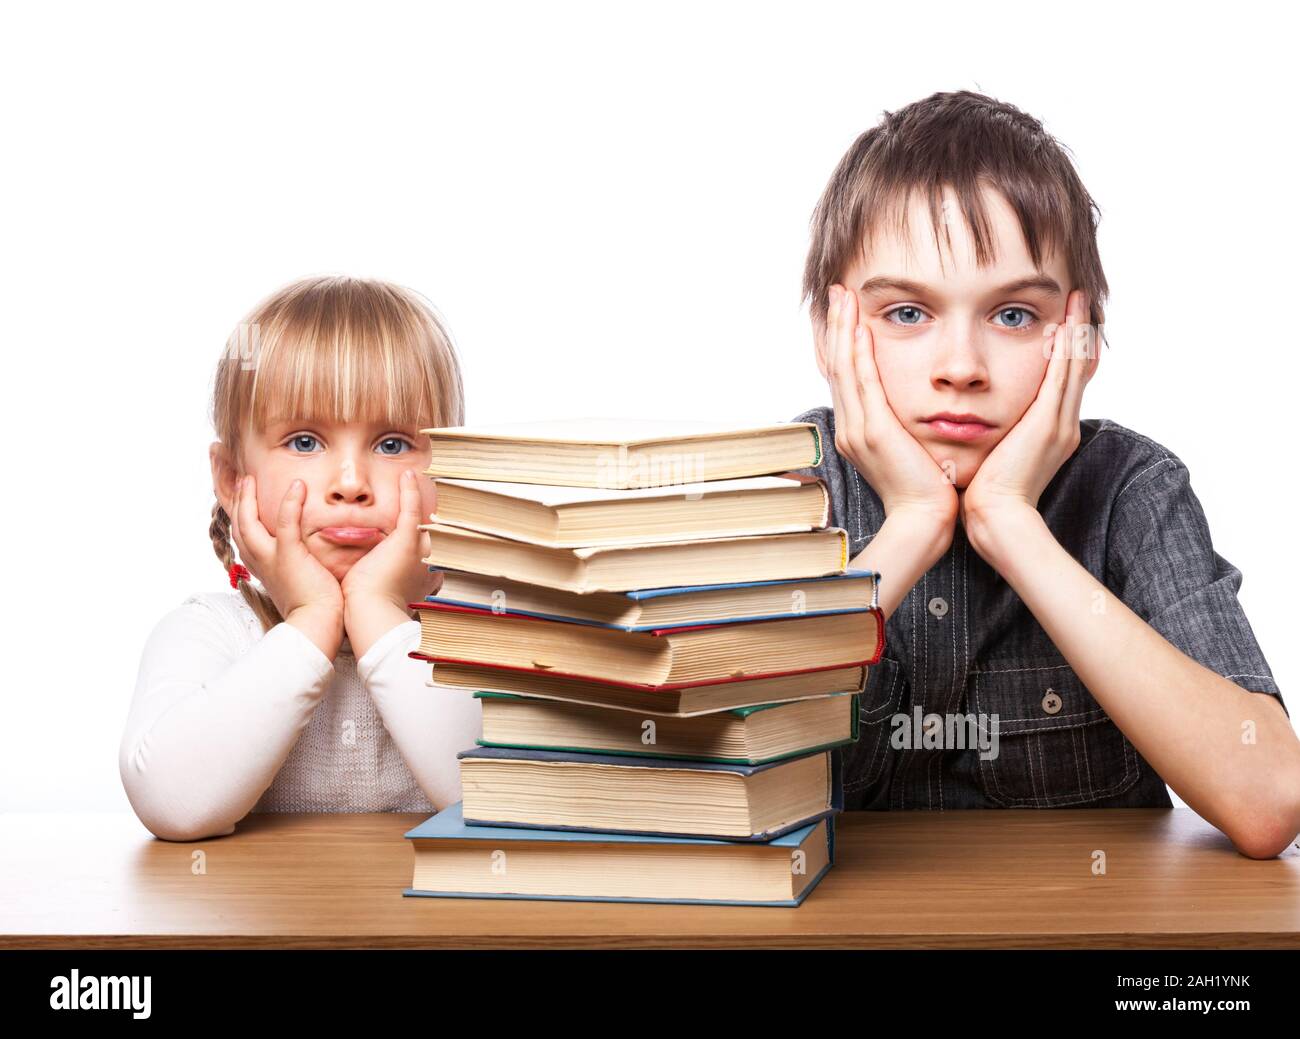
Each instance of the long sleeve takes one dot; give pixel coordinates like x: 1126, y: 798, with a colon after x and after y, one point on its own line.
x: 429, y: 724
x: 212, y: 720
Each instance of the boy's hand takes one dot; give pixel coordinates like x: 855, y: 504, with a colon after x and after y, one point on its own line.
x: 293, y: 577
x: 867, y: 432
x: 393, y: 572
x: 1013, y: 476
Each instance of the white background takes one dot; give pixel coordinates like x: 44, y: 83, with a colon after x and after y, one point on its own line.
x: 610, y: 207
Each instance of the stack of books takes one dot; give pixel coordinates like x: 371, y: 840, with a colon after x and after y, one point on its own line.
x: 667, y: 645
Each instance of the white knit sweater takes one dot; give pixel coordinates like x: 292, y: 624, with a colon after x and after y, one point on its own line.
x: 227, y: 719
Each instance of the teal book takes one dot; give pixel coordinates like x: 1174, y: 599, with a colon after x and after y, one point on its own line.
x: 453, y: 860
x: 534, y: 723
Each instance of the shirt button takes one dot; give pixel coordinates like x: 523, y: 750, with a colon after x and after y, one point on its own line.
x: 1051, y: 702
x: 938, y: 606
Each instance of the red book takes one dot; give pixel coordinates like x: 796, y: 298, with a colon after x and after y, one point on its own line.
x: 664, y: 658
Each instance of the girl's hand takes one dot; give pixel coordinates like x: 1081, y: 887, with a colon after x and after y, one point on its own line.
x: 867, y: 432
x: 393, y: 570
x: 295, y: 579
x: 1015, y: 472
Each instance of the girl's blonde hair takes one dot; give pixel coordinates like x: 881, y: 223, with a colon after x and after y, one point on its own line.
x: 330, y: 349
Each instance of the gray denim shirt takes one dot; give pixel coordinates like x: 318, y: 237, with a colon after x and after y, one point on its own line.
x: 962, y: 643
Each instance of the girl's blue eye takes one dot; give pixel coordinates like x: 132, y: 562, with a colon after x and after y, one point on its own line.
x: 396, y: 440
x: 1023, y: 322
x: 299, y: 439
x: 904, y: 309
x: 307, y: 442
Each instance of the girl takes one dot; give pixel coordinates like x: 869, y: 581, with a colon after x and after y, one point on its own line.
x: 296, y: 693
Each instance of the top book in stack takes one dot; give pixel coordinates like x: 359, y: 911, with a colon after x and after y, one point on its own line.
x: 620, y: 454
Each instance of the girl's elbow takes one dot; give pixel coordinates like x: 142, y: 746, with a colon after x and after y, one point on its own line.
x: 182, y: 829
x: 163, y: 817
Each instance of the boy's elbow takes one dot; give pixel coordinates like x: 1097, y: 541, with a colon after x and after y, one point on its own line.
x: 1269, y: 832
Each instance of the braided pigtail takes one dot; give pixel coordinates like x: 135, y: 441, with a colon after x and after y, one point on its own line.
x: 259, y: 601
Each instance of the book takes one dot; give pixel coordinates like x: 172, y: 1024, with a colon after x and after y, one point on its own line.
x: 742, y: 735
x: 701, y: 653
x: 563, y: 790
x: 620, y: 453
x: 623, y: 568
x: 675, y: 701
x: 575, y: 517
x: 453, y: 860
x: 647, y: 608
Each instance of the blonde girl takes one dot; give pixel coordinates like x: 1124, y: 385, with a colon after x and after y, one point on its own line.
x: 296, y: 693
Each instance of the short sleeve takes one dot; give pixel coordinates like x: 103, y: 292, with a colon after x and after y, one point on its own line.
x: 854, y: 505
x: 1162, y: 564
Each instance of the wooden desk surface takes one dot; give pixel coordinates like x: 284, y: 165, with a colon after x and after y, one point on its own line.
x: 1020, y: 878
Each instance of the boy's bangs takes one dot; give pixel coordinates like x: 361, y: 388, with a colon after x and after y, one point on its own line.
x: 1040, y: 224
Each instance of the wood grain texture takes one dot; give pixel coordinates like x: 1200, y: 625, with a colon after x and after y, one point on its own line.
x: 994, y: 879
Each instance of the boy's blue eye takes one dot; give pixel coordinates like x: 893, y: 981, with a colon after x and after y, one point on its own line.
x: 1022, y: 322
x: 911, y: 316
x: 905, y: 310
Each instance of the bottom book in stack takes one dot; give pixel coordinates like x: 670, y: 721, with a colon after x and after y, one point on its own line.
x: 538, y: 823
x: 453, y: 860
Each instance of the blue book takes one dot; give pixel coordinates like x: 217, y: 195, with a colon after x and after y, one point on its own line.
x: 651, y: 609
x: 621, y: 787
x: 454, y: 860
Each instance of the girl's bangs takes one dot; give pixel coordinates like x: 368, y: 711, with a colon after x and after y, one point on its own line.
x: 340, y: 378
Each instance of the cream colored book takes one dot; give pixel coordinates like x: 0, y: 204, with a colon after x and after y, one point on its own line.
x: 623, y: 568
x: 620, y: 452
x: 572, y: 517
x: 505, y: 786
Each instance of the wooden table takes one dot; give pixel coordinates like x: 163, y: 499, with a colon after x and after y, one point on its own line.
x: 996, y: 879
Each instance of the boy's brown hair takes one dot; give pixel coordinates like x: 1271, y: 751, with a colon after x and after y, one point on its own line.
x: 963, y: 140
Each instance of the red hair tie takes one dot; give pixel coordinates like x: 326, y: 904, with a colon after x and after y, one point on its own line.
x: 236, y: 572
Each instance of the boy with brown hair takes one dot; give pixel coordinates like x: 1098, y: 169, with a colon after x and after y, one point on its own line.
x: 1048, y: 580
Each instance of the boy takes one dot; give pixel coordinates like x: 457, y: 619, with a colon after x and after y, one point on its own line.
x: 1050, y: 583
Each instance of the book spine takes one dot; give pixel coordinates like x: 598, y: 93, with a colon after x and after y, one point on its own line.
x: 835, y: 762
